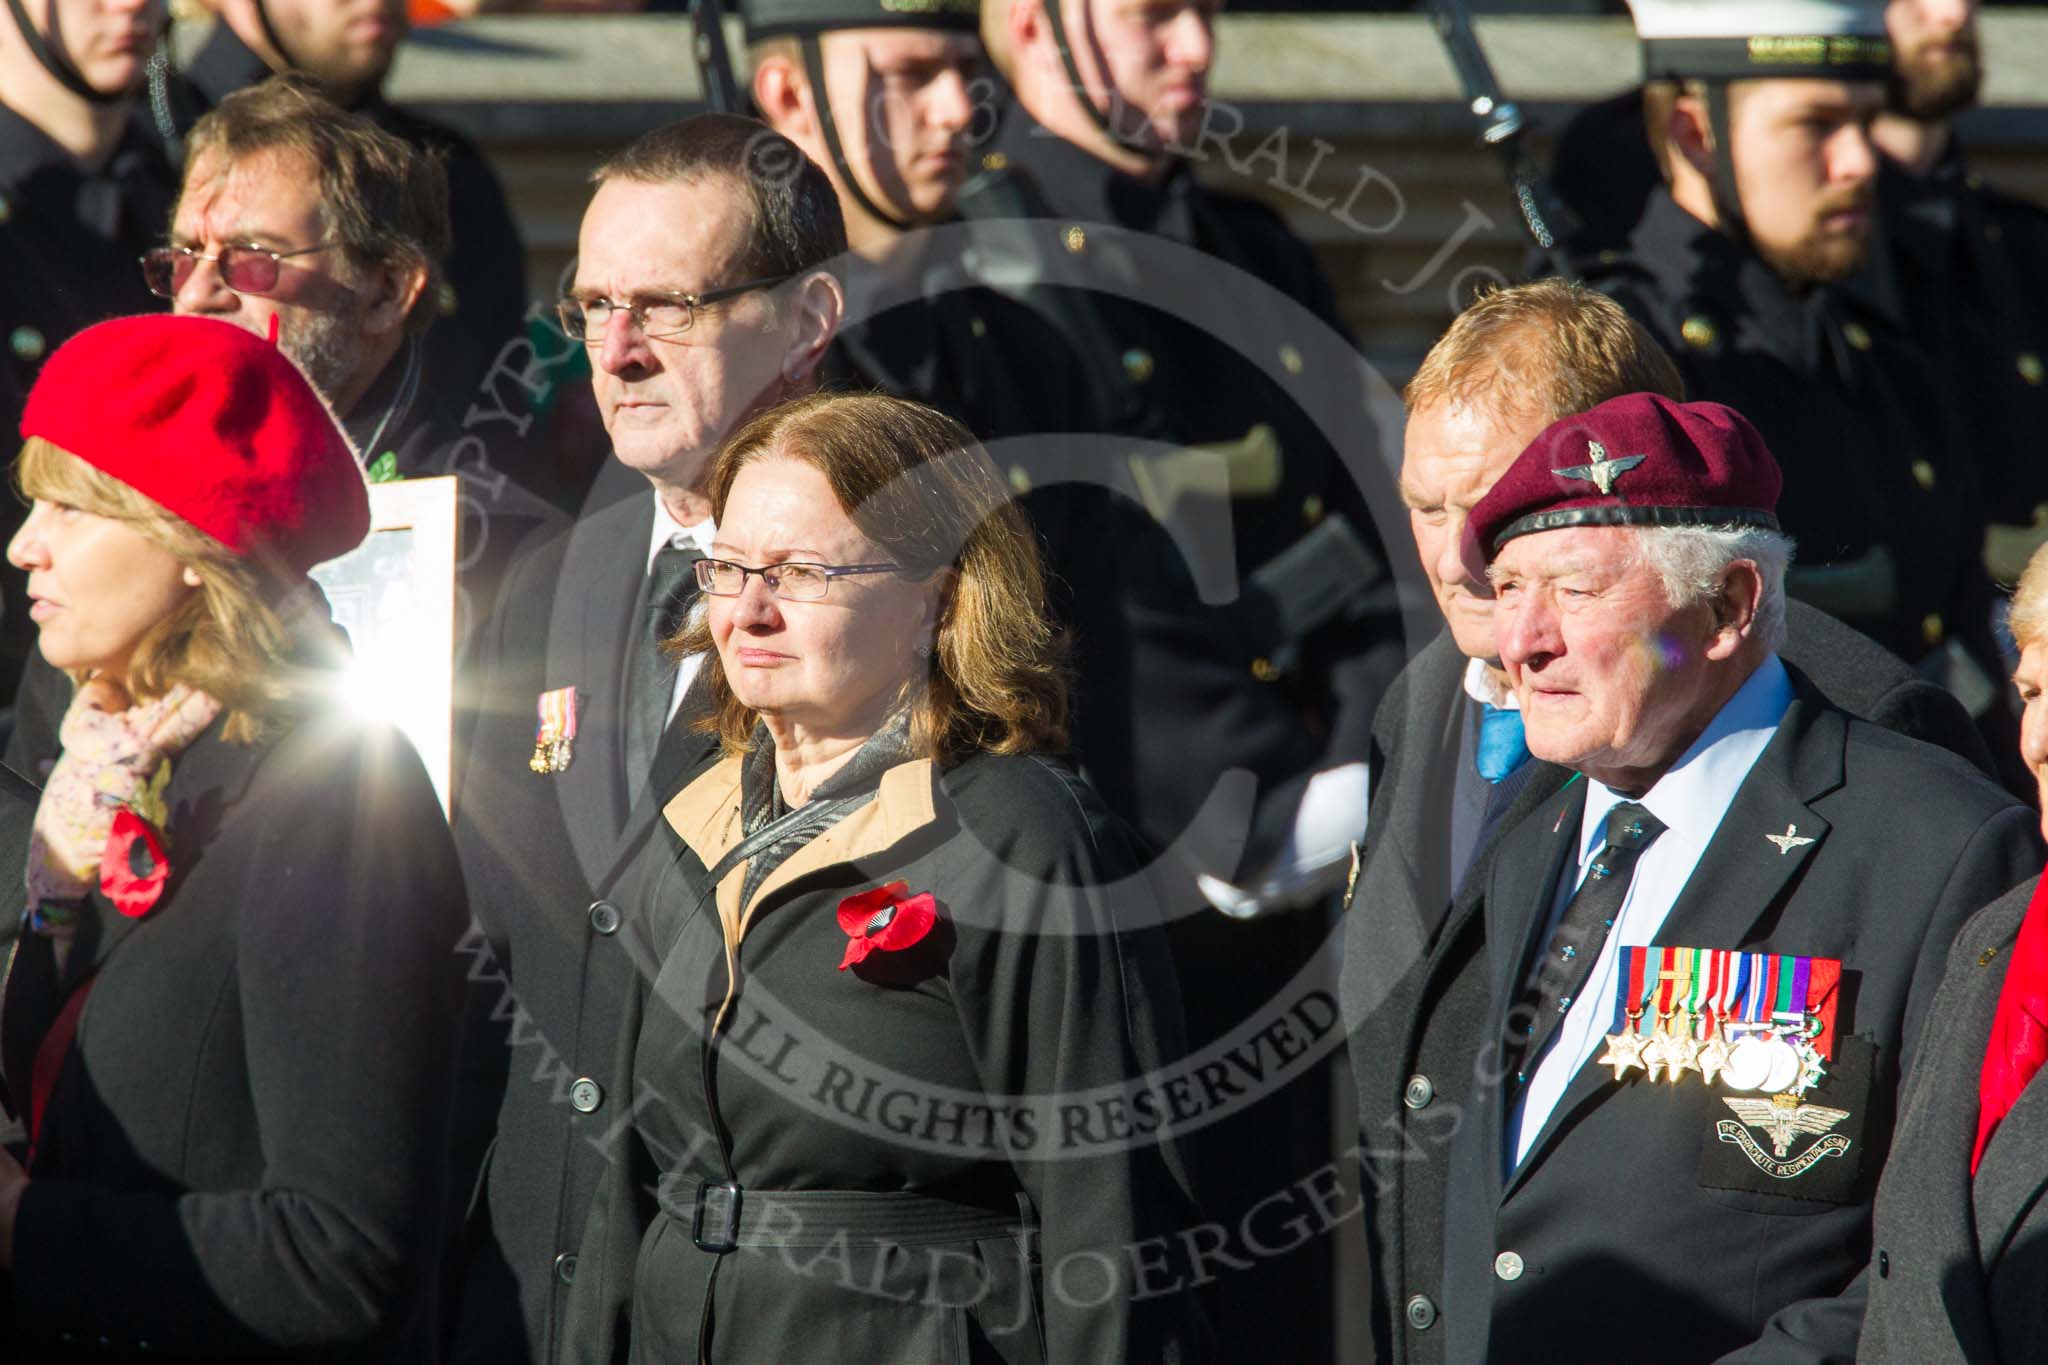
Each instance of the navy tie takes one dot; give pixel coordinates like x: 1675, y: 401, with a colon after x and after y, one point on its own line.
x: 1502, y: 748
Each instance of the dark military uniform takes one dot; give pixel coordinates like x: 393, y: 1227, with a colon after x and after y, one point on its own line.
x: 1179, y: 397
x: 1604, y: 172
x: 1971, y: 272
x: 484, y: 306
x: 1216, y: 452
x: 70, y: 237
x: 1881, y: 490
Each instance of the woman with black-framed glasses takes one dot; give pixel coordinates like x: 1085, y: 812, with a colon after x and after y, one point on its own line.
x: 891, y: 871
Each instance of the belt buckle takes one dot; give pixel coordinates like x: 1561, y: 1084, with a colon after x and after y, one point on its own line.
x: 728, y: 1218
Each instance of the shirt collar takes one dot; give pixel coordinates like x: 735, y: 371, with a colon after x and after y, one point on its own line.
x: 131, y: 191
x: 27, y: 152
x: 667, y: 530
x: 1079, y: 184
x: 1698, y: 789
x: 1480, y: 687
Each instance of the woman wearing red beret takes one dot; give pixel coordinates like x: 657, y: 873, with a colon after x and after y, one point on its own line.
x: 228, y: 1027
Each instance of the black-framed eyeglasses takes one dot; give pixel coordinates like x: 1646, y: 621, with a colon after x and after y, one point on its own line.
x: 246, y: 269
x: 792, y: 580
x: 661, y: 316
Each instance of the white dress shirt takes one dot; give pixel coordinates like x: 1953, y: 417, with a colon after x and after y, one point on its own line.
x: 1482, y: 687
x: 669, y: 531
x: 1690, y: 799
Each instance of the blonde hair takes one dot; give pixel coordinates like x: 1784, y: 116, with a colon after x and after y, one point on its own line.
x: 1551, y: 349
x: 918, y: 485
x: 2027, y: 618
x: 225, y: 639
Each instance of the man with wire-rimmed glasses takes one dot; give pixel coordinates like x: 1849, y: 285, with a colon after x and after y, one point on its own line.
x: 702, y: 293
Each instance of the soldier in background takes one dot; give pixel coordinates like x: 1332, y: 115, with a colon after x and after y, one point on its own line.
x: 1223, y: 435
x: 1957, y: 262
x: 1739, y: 268
x: 1970, y: 267
x: 886, y: 100
x: 82, y: 192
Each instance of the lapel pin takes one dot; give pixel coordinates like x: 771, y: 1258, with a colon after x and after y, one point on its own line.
x: 1789, y: 840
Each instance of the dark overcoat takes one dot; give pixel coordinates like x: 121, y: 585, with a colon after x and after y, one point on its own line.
x: 243, y: 1152
x: 973, y: 1075
x: 1958, y: 1270
x: 552, y: 862
x: 1772, y: 1271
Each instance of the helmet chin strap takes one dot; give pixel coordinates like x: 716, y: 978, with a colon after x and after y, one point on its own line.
x: 814, y: 71
x: 1055, y: 21
x: 1727, y: 202
x: 270, y: 35
x: 62, y: 70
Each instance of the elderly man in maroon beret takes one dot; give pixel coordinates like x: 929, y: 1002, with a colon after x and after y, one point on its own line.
x: 1710, y: 952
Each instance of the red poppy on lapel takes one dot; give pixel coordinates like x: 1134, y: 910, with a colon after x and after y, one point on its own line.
x: 888, y: 918
x: 134, y: 867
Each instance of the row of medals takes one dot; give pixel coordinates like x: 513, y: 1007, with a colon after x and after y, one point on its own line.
x: 1759, y: 1057
x: 550, y: 756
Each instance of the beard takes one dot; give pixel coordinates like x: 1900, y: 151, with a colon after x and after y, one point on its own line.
x: 1932, y: 83
x: 1823, y: 257
x: 1828, y: 259
x: 328, y: 347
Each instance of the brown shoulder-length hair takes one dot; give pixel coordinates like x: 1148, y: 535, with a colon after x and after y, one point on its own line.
x: 918, y: 485
x: 226, y: 639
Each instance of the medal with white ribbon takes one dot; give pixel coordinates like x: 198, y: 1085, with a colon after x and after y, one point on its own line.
x: 1724, y: 984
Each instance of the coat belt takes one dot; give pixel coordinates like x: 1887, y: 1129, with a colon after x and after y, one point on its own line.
x: 724, y: 1217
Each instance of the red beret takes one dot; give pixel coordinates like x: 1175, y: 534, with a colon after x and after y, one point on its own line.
x: 214, y: 424
x: 1636, y: 460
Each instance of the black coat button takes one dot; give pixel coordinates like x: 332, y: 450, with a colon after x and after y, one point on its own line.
x: 604, y: 917
x: 565, y: 1267
x: 1421, y: 1313
x: 585, y: 1095
x: 1884, y: 1265
x: 1419, y: 1092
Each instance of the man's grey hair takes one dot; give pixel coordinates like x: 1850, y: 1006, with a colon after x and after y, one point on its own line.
x: 1691, y: 559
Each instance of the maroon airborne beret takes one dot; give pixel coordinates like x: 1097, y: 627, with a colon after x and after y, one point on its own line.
x: 1636, y: 460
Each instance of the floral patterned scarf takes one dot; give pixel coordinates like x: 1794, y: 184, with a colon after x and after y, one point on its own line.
x: 113, y: 759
